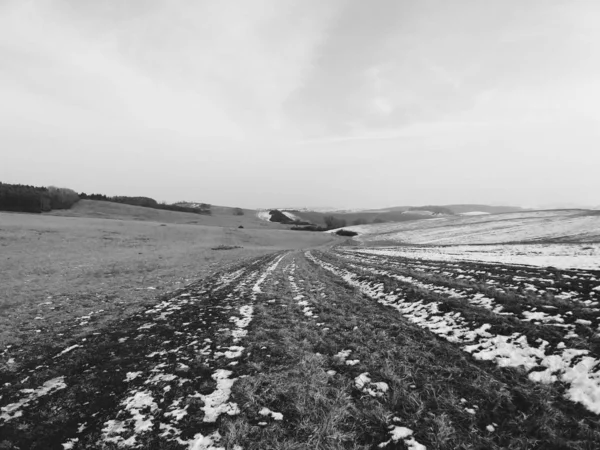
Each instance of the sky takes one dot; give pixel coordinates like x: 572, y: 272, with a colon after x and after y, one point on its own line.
x: 304, y: 103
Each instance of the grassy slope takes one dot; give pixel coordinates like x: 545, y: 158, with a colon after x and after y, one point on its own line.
x: 88, y: 264
x: 529, y: 226
x: 392, y: 216
x: 221, y: 216
x: 462, y: 208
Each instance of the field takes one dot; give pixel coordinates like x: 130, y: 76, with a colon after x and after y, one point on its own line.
x: 54, y: 268
x: 221, y: 216
x: 560, y: 256
x: 564, y: 226
x: 293, y: 342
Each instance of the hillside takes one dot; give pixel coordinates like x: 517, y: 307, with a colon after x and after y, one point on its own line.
x: 454, y: 208
x: 465, y: 209
x: 221, y: 216
x: 318, y: 218
x: 392, y: 214
x: 81, y: 262
x: 534, y: 226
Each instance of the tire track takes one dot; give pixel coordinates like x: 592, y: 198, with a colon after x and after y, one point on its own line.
x: 509, y: 345
x: 161, y: 377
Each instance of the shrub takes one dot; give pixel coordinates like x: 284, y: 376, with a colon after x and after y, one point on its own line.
x: 309, y: 228
x: 136, y: 201
x: 147, y: 202
x: 238, y: 212
x: 100, y: 197
x: 346, y: 233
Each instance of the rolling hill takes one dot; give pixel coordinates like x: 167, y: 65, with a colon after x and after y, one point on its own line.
x: 392, y: 214
x: 220, y: 216
x: 531, y: 226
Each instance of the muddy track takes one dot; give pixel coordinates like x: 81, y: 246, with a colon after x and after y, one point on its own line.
x: 131, y: 385
x: 315, y: 350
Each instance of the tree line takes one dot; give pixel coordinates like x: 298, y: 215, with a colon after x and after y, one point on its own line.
x: 147, y: 202
x: 35, y: 199
x: 38, y: 199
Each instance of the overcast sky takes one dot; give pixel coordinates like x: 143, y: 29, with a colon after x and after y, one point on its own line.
x: 304, y: 103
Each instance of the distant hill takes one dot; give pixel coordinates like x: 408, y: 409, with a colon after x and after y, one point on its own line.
x: 221, y: 216
x: 461, y: 209
x: 393, y: 214
x: 525, y: 226
x: 356, y: 218
x: 454, y: 209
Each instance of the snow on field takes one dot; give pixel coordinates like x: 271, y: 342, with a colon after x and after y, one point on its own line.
x: 364, y: 384
x: 274, y: 415
x: 264, y: 215
x: 561, y: 256
x: 216, y: 403
x: 544, y: 363
x: 256, y: 288
x: 139, y: 410
x: 474, y: 213
x: 399, y: 433
x: 14, y: 410
x: 532, y: 281
x: 290, y: 215
x: 227, y: 278
x: 563, y: 225
x: 418, y: 212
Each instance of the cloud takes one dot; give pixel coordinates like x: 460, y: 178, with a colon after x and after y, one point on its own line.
x: 197, y: 68
x: 389, y: 67
x: 241, y: 91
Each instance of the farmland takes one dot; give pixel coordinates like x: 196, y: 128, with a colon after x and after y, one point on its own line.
x: 555, y: 226
x: 55, y: 268
x: 325, y: 348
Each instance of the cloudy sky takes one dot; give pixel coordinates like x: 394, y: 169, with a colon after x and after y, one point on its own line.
x: 345, y: 103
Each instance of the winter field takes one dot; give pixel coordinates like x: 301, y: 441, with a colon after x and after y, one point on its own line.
x: 319, y: 346
x: 566, y: 226
x: 54, y: 268
x: 325, y: 349
x: 560, y: 256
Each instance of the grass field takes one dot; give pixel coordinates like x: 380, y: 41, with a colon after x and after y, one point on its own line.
x: 557, y: 226
x: 53, y: 268
x: 221, y: 216
x: 312, y: 350
x: 290, y: 342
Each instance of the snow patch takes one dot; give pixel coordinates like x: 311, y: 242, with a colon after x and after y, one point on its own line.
x: 267, y: 412
x: 216, y: 402
x: 14, y: 410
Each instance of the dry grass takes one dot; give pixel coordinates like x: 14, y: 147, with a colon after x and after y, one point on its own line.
x: 89, y: 264
x: 220, y: 217
x: 289, y: 355
x: 285, y: 366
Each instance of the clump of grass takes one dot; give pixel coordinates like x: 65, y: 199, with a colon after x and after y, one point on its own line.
x: 226, y: 247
